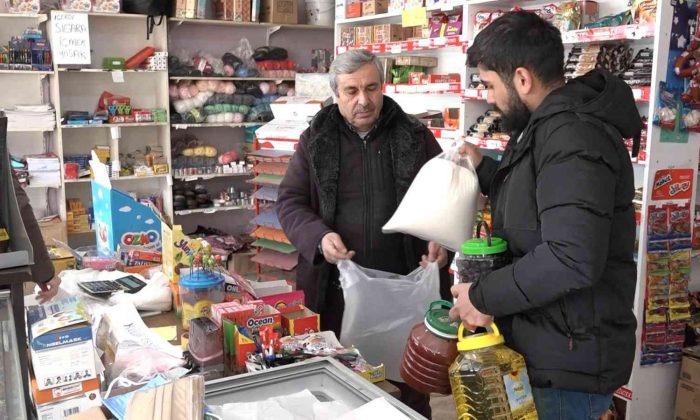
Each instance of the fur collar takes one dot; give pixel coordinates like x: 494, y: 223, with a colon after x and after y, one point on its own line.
x: 405, y: 142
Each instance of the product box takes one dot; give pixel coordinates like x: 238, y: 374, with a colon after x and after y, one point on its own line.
x: 687, y: 401
x: 374, y: 7
x: 347, y: 36
x: 441, y: 78
x: 51, y: 229
x: 120, y: 221
x: 396, y: 5
x: 66, y: 408
x: 387, y: 33
x: 301, y: 321
x: 185, y: 9
x: 205, y: 10
x: 339, y: 9
x: 413, y: 60
x: 364, y: 35
x: 234, y: 10
x: 61, y: 344
x: 284, y: 302
x: 89, y: 388
x: 270, y: 288
x: 177, y: 250
x: 252, y: 316
x: 353, y: 10
x: 61, y: 259
x: 279, y: 11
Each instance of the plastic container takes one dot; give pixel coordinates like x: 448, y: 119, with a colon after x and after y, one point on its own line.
x: 320, y: 12
x: 76, y: 5
x: 480, y: 256
x: 430, y: 350
x: 489, y: 380
x: 199, y: 290
x: 23, y: 6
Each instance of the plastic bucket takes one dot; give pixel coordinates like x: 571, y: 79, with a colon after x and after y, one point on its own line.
x: 320, y: 12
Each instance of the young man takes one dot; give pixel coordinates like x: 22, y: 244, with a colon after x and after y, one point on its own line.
x: 351, y: 169
x: 562, y: 198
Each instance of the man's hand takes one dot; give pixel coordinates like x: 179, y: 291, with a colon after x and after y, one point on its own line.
x: 334, y: 249
x: 472, y: 151
x: 48, y: 290
x: 435, y: 253
x: 464, y: 310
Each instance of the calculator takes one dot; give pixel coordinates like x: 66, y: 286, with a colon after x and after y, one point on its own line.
x: 128, y: 284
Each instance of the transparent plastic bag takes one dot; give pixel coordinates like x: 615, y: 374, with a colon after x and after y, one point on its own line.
x: 379, y: 330
x: 441, y: 202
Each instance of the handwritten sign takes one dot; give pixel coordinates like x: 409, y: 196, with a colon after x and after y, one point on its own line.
x: 71, y: 38
x: 414, y: 17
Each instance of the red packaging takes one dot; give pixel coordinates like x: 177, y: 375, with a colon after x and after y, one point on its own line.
x: 151, y: 256
x: 301, y: 321
x: 680, y: 221
x: 657, y: 223
x: 285, y: 302
x: 353, y: 10
x: 137, y: 59
x: 442, y: 78
x: 696, y: 229
x: 71, y: 170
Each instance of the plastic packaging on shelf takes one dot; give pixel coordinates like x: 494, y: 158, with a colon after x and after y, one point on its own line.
x: 23, y: 6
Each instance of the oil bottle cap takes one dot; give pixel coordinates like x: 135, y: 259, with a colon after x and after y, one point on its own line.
x: 479, y: 341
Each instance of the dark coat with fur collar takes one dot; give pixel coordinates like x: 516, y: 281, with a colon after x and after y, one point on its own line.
x: 309, y: 207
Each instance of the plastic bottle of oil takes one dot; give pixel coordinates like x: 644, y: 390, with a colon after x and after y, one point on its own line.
x: 489, y: 381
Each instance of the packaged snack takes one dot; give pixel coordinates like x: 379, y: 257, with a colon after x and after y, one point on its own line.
x: 669, y: 105
x: 691, y: 119
x: 657, y: 225
x: 644, y: 11
x: 678, y: 301
x: 568, y: 16
x: 681, y: 276
x: 657, y: 262
x: 677, y: 314
x: 680, y: 260
x: 680, y: 221
x: 623, y: 18
x: 76, y: 5
x: 678, y: 287
x: 654, y: 315
x: 482, y: 20
x: 657, y: 246
x: 656, y: 302
x: 24, y: 6
x: 107, y: 6
x: 437, y: 24
x: 685, y: 243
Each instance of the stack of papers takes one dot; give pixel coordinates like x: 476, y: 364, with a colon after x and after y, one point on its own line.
x: 31, y: 117
x: 44, y: 170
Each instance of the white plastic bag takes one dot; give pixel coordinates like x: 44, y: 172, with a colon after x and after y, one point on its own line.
x: 441, y: 203
x: 381, y: 308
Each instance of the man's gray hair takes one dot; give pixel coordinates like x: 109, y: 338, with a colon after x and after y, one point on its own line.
x: 350, y: 62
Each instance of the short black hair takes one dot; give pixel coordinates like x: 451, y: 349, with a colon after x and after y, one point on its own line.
x: 519, y: 39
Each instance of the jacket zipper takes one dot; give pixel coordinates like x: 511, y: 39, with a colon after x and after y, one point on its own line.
x: 569, y: 334
x: 366, y: 169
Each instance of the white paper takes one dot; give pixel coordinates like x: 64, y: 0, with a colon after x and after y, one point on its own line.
x: 376, y: 409
x: 71, y: 38
x: 116, y: 132
x: 118, y: 76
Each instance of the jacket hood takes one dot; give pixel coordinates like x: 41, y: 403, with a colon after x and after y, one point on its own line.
x: 599, y: 94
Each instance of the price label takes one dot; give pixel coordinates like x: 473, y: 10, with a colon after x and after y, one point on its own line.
x: 71, y: 33
x: 439, y: 42
x: 425, y: 42
x: 118, y: 76
x: 396, y: 49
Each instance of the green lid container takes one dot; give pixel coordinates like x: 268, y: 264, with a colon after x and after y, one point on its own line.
x: 487, y: 245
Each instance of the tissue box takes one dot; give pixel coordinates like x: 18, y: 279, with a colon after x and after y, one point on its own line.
x: 61, y: 346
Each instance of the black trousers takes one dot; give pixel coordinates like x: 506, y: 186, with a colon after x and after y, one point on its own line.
x: 332, y: 320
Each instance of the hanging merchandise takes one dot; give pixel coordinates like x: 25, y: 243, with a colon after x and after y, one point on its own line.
x: 673, y: 184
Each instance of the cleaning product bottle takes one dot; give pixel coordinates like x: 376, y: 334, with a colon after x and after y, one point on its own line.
x: 489, y: 380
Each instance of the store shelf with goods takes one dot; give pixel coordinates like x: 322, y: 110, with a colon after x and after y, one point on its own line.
x: 641, y: 93
x: 26, y: 72
x: 488, y: 144
x: 40, y: 17
x: 234, y: 79
x: 475, y: 94
x: 120, y: 179
x: 400, y: 47
x: 124, y: 125
x: 445, y: 133
x: 612, y: 33
x: 210, y: 210
x: 430, y: 88
x: 246, y: 25
x: 181, y: 126
x: 206, y: 177
x: 104, y: 71
x: 390, y: 17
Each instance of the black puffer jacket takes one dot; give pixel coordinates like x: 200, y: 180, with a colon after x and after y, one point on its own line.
x: 562, y: 198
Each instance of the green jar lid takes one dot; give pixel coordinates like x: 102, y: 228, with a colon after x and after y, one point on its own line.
x: 438, y: 321
x: 481, y: 246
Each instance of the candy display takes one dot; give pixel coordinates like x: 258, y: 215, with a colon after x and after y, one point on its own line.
x: 488, y: 126
x: 638, y: 72
x: 613, y: 57
x: 189, y: 196
x: 202, y: 287
x: 24, y: 6
x: 29, y: 51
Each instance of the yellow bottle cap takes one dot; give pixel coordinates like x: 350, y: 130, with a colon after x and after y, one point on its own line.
x: 479, y: 341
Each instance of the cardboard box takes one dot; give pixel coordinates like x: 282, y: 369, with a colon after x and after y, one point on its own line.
x: 285, y: 301
x: 61, y: 343
x: 347, y: 36
x: 61, y: 259
x: 353, y: 10
x: 690, y: 367
x: 65, y: 408
x: 279, y: 11
x: 53, y: 229
x: 89, y: 388
x: 177, y: 250
x: 374, y: 7
x: 413, y: 60
x: 396, y: 5
x: 301, y: 321
x: 364, y: 35
x: 441, y: 78
x: 234, y: 10
x: 185, y: 8
x: 94, y: 413
x: 687, y: 401
x: 383, y: 34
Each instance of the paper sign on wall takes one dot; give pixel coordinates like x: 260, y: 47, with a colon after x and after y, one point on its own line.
x: 673, y: 184
x: 414, y: 17
x: 71, y: 38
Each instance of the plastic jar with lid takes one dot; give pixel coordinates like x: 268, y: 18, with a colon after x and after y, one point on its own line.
x: 199, y: 290
x: 430, y: 350
x: 480, y: 256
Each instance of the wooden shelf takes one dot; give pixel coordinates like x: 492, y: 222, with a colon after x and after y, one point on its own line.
x: 223, y: 78
x: 67, y: 126
x: 214, y: 22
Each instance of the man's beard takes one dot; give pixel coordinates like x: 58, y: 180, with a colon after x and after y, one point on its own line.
x: 518, y: 116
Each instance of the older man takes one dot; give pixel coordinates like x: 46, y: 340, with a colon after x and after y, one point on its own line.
x: 353, y: 166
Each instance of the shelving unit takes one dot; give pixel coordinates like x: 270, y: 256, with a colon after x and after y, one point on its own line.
x: 236, y: 79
